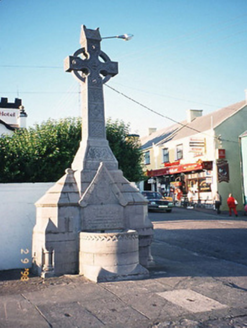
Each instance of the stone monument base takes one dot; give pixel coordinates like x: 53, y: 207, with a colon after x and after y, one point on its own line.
x: 110, y: 256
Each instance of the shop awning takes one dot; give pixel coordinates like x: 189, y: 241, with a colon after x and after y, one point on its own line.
x: 181, y: 168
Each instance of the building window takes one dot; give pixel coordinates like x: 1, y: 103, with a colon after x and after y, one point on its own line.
x: 165, y: 155
x: 147, y: 157
x: 179, y: 152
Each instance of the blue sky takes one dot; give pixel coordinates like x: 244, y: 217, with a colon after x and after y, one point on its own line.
x: 185, y: 54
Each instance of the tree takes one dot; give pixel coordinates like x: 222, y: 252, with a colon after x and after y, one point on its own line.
x: 39, y: 154
x: 42, y: 153
x: 126, y: 149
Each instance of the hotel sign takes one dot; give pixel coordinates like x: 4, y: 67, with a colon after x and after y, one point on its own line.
x: 9, y: 116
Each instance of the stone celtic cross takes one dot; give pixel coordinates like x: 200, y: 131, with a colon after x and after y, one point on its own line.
x: 93, y: 68
x: 92, y: 206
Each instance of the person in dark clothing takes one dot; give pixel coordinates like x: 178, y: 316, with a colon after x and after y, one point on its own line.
x: 217, y: 202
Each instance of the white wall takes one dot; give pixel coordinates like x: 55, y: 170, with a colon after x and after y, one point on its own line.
x: 18, y: 217
x: 4, y: 130
x: 9, y: 115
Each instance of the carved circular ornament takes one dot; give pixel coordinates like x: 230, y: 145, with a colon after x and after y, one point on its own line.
x: 95, y: 65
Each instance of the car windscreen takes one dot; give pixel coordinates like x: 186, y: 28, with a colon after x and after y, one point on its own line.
x: 152, y: 195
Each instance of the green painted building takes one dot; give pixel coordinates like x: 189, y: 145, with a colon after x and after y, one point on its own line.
x: 243, y: 150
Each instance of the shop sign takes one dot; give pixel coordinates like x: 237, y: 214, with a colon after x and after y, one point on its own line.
x: 208, y: 165
x: 200, y: 185
x: 221, y: 153
x: 198, y: 153
x: 197, y: 142
x: 204, y: 185
x: 197, y: 146
x: 199, y: 165
x: 223, y: 171
x: 209, y: 180
x: 171, y: 164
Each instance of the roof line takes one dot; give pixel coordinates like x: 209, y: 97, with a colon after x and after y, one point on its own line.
x: 9, y: 127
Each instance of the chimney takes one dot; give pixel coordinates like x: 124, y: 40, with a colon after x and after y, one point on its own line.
x: 193, y: 113
x: 22, y: 118
x: 151, y: 130
x: 3, y: 102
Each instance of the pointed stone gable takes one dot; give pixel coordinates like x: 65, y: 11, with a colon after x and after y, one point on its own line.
x: 64, y: 192
x: 102, y: 203
x: 103, y: 189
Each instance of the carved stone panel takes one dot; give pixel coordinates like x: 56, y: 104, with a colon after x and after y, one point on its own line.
x: 95, y: 95
x: 96, y: 130
x: 96, y: 112
x: 99, y: 153
x: 102, y: 217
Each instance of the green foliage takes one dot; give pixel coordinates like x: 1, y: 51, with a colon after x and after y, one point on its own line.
x: 42, y: 153
x: 39, y: 154
x: 126, y: 150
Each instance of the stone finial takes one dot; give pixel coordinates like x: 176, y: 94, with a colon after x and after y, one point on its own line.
x: 88, y: 34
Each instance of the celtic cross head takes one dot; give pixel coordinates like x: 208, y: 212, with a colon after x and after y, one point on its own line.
x: 89, y: 62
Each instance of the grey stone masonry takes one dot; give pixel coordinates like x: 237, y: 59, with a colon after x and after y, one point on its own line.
x: 93, y: 68
x: 93, y: 197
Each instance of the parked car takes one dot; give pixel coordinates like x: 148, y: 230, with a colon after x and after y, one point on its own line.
x: 156, y: 202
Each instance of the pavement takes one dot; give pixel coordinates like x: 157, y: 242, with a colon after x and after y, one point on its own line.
x: 185, y: 289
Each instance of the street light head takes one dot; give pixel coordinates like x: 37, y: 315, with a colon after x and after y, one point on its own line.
x: 125, y: 37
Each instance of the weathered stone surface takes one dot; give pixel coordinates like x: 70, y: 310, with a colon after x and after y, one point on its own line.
x: 110, y: 256
x: 92, y: 197
x: 56, y: 230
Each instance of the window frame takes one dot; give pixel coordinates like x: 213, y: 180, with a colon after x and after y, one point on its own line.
x: 165, y: 155
x: 179, y: 151
x: 147, y: 157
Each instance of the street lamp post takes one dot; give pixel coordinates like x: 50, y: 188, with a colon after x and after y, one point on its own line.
x: 125, y: 37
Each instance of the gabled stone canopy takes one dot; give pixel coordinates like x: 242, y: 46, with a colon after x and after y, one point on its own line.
x: 103, y: 190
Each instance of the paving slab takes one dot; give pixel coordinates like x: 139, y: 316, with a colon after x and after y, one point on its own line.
x: 68, y: 293
x: 71, y: 314
x: 191, y: 300
x: 18, y: 309
x: 154, y: 306
x: 212, y: 280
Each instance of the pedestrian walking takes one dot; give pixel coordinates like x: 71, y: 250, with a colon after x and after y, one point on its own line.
x: 217, y: 202
x: 178, y: 194
x: 190, y: 199
x: 232, y: 203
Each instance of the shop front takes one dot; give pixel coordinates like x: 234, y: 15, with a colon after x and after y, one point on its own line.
x: 176, y: 178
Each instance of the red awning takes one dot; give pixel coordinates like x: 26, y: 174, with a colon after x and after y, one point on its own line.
x: 181, y: 168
